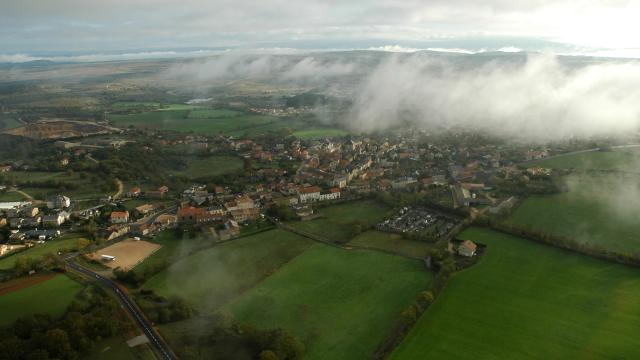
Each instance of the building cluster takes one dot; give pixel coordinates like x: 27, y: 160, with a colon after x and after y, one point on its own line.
x: 28, y: 221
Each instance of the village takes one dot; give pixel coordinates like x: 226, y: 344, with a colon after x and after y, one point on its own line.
x: 328, y: 170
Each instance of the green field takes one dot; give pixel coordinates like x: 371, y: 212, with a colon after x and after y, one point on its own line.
x: 525, y: 300
x: 211, y: 166
x: 340, y: 303
x: 11, y: 196
x: 391, y: 242
x: 338, y: 221
x: 86, y: 187
x: 69, y: 241
x: 617, y: 160
x: 8, y: 122
x: 597, y: 210
x: 319, y: 132
x: 203, y: 121
x: 211, y: 277
x: 49, y: 297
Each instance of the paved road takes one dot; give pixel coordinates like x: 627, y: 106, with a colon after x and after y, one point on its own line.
x: 154, y: 339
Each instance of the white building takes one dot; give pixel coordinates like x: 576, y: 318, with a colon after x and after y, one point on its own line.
x: 58, y: 202
x: 309, y: 194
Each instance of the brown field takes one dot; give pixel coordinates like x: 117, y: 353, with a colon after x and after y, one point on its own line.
x: 23, y: 282
x: 128, y: 253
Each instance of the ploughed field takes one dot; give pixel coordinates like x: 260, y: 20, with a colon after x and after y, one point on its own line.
x: 526, y: 300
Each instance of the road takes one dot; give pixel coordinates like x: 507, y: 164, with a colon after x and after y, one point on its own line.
x: 154, y: 338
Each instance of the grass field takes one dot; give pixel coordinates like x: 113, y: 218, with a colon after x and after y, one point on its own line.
x: 50, y: 297
x: 203, y: 121
x: 597, y: 210
x: 114, y: 348
x: 211, y: 166
x: 319, y: 132
x: 211, y: 277
x: 9, y: 122
x: 338, y: 224
x: 391, y: 242
x: 69, y: 241
x: 340, y: 303
x: 86, y: 187
x: 11, y: 196
x: 621, y: 160
x: 525, y: 300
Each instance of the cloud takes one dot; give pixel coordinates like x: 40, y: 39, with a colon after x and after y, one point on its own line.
x: 22, y: 58
x: 250, y: 66
x: 535, y: 98
x: 36, y: 25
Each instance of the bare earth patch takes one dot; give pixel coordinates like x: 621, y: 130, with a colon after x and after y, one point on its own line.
x: 23, y: 282
x: 128, y: 253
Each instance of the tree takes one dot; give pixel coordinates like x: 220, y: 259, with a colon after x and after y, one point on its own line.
x: 57, y: 342
x: 268, y: 355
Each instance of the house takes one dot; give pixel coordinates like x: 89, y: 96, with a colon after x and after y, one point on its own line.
x: 166, y: 220
x: 58, y: 202
x: 64, y: 161
x: 158, y: 194
x: 309, y: 194
x: 331, y: 194
x: 195, y: 215
x: 230, y: 229
x: 5, y: 168
x: 141, y: 229
x: 145, y: 209
x: 53, y: 220
x: 242, y: 215
x: 134, y: 192
x: 119, y: 217
x: 467, y: 248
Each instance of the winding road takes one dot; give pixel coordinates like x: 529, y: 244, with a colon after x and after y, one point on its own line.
x: 155, y: 340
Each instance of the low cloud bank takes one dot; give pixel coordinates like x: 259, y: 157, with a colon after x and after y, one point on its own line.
x: 536, y: 98
x: 240, y: 66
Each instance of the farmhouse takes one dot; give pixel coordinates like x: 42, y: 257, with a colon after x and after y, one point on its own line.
x: 5, y: 168
x: 119, y: 217
x: 467, y: 248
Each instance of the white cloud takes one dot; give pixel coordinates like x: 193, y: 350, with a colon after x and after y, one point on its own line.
x: 540, y: 99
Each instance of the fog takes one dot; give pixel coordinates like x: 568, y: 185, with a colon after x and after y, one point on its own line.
x: 535, y: 96
x: 538, y: 98
x: 243, y: 66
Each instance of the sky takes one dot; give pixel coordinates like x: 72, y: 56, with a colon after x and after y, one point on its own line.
x: 63, y: 27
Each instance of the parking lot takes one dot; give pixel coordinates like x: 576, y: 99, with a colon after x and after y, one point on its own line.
x: 419, y: 219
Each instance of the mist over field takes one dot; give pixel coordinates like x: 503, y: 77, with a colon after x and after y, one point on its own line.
x: 538, y: 96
